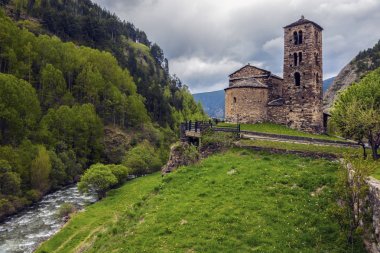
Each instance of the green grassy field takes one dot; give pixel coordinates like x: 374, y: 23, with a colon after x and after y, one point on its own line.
x: 283, y: 130
x: 301, y: 147
x: 240, y: 201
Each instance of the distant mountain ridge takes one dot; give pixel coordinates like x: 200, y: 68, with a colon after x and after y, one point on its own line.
x: 363, y: 63
x: 213, y: 102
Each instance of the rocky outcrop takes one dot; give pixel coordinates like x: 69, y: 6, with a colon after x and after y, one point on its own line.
x: 347, y: 76
x: 116, y: 143
x: 181, y: 154
x: 363, y: 63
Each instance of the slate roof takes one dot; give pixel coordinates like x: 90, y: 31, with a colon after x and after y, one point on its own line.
x: 266, y: 73
x: 303, y: 21
x: 247, y: 83
x: 249, y: 65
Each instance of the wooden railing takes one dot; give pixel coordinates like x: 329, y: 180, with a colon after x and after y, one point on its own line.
x: 201, y: 126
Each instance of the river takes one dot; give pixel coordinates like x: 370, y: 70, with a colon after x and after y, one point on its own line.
x: 24, y: 231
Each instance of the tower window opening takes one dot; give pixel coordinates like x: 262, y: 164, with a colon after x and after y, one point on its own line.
x: 295, y: 59
x: 297, y: 79
x: 234, y: 100
x: 317, y: 78
x: 295, y: 38
x: 299, y: 57
x: 300, y: 37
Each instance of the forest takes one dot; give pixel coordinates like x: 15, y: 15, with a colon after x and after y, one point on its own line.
x: 57, y: 97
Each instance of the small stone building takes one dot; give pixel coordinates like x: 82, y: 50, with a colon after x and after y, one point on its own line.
x: 256, y: 95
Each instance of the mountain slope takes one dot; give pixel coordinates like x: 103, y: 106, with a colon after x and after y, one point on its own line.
x: 213, y: 102
x: 364, y: 62
x: 85, y: 23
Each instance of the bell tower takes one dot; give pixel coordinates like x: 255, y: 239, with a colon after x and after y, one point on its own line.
x: 303, y: 75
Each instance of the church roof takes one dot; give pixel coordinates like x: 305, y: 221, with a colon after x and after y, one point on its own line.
x: 303, y: 21
x: 264, y: 73
x: 253, y: 67
x: 247, y: 83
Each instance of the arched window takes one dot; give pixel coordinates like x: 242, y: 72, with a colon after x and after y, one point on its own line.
x: 234, y: 100
x: 295, y: 59
x: 299, y: 57
x: 317, y: 78
x: 300, y: 37
x: 295, y: 37
x: 297, y: 79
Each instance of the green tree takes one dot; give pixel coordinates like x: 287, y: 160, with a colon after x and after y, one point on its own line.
x: 10, y: 183
x: 120, y: 172
x: 40, y: 170
x: 98, y: 178
x: 78, y: 127
x: 19, y: 109
x: 356, y: 113
x: 58, y: 174
x: 52, y: 86
x: 142, y: 159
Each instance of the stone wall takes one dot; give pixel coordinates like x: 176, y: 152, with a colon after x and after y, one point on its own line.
x: 275, y: 88
x: 374, y: 199
x: 246, y: 105
x: 277, y: 114
x: 304, y: 101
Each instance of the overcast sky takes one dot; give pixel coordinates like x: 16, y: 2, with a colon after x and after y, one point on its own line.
x: 206, y: 40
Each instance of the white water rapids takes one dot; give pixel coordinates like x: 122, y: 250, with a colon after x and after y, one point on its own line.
x: 24, y: 231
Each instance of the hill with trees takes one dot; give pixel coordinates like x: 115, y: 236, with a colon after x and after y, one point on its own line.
x: 357, y: 68
x: 85, y: 23
x: 56, y: 99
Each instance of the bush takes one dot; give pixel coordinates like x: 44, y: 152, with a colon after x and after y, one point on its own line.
x: 33, y: 195
x: 10, y: 183
x: 98, y: 178
x: 120, y: 172
x: 6, y: 207
x: 142, y: 159
x: 65, y: 210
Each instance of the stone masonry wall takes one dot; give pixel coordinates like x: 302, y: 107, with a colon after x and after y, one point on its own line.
x: 374, y: 199
x: 275, y: 88
x: 250, y: 105
x: 277, y: 114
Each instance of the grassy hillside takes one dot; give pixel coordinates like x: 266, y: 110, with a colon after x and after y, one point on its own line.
x: 240, y: 201
x: 272, y: 128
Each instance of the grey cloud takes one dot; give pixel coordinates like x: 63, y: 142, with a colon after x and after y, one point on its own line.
x: 205, y: 39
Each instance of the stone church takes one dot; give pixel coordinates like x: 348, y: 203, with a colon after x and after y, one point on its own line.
x: 257, y: 95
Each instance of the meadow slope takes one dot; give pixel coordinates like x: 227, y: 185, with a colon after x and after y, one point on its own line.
x: 239, y: 201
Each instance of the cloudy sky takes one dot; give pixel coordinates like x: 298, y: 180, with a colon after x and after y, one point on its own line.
x: 206, y: 40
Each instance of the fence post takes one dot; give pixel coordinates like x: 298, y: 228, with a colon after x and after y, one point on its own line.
x: 196, y: 126
x: 189, y: 125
